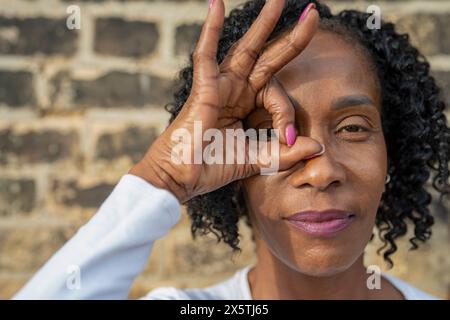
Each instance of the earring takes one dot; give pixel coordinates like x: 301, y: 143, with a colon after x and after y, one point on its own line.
x: 388, y: 178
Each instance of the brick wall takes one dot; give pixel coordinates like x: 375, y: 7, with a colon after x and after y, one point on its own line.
x: 79, y: 107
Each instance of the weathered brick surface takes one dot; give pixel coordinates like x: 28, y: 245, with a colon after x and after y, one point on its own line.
x: 430, y: 32
x: 186, y: 37
x: 16, y: 88
x: 26, y: 249
x: 443, y: 80
x: 101, y: 90
x: 136, y: 38
x: 131, y: 142
x: 122, y: 89
x: 71, y: 193
x: 10, y: 285
x: 46, y: 146
x: 115, y: 89
x: 16, y: 196
x: 36, y: 35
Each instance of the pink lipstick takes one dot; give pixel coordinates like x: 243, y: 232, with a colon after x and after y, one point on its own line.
x: 321, y: 223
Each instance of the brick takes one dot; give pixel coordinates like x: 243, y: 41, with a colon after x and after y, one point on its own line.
x: 36, y: 35
x: 118, y: 37
x: 443, y: 80
x: 10, y: 285
x: 16, y: 88
x: 204, y: 255
x: 27, y: 249
x: 186, y: 37
x: 59, y: 85
x: 143, y: 284
x: 141, y: 0
x: 121, y: 89
x: 430, y: 32
x: 71, y: 193
x: 16, y: 196
x: 44, y: 146
x: 132, y: 142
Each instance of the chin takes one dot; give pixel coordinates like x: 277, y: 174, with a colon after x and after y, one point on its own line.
x: 323, y: 262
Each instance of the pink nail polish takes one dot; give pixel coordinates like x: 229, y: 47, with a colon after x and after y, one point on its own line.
x: 316, y: 154
x: 306, y: 11
x: 211, y: 2
x: 291, y: 134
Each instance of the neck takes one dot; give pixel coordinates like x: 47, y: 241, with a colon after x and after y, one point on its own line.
x: 273, y: 279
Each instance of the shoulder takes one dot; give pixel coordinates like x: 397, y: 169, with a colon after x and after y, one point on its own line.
x: 173, y: 293
x: 235, y: 287
x: 166, y: 293
x: 409, y: 291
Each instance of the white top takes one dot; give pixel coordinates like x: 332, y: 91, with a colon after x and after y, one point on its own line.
x: 104, y: 257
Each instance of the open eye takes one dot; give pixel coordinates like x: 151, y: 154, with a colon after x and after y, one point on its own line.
x: 353, y: 128
x: 353, y: 132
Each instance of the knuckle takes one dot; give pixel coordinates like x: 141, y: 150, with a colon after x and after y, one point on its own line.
x: 215, y: 29
x: 267, y: 23
x: 233, y: 49
x: 265, y: 69
x: 239, y: 71
x: 198, y: 56
x: 250, y: 53
x: 261, y: 73
x: 295, y: 46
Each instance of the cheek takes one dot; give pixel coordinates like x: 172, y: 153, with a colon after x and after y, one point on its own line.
x: 262, y: 197
x: 259, y: 194
x: 365, y: 167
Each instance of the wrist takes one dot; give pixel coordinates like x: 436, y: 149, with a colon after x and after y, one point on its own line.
x: 154, y: 176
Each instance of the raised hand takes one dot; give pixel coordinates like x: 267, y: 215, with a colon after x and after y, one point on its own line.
x: 224, y: 95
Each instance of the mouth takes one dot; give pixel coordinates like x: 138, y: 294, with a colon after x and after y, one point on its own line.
x: 321, y: 223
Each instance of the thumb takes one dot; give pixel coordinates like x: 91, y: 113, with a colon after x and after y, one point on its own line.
x: 272, y: 157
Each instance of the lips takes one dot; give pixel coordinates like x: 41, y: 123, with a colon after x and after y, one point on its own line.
x: 321, y: 223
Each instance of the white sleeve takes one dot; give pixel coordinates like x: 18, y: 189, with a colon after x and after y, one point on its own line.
x: 103, y: 258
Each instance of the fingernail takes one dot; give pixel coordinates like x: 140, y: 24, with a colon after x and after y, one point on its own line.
x: 305, y: 11
x: 211, y: 2
x: 316, y: 154
x: 291, y: 134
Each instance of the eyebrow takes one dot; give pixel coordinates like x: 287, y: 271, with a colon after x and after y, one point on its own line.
x: 352, y: 100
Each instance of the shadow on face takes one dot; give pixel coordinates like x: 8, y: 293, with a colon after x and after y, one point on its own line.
x: 337, y: 102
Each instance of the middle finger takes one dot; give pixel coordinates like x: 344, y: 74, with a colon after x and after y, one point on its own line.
x: 242, y: 56
x: 284, y: 49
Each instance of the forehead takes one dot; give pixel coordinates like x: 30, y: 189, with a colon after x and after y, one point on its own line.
x: 330, y: 66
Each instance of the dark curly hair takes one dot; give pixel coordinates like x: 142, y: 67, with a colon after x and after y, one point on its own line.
x: 413, y: 118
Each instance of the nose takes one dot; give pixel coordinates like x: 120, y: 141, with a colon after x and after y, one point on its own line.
x: 321, y: 172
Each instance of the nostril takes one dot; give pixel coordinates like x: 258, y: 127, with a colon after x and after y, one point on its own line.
x: 335, y: 183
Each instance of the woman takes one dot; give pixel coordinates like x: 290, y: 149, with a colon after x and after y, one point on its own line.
x: 361, y: 129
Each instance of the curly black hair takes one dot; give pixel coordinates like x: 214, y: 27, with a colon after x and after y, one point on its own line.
x: 414, y: 125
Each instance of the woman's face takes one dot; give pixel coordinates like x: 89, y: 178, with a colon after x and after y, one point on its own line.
x: 337, y: 102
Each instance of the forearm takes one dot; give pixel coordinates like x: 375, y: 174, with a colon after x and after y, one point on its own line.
x: 111, y: 249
